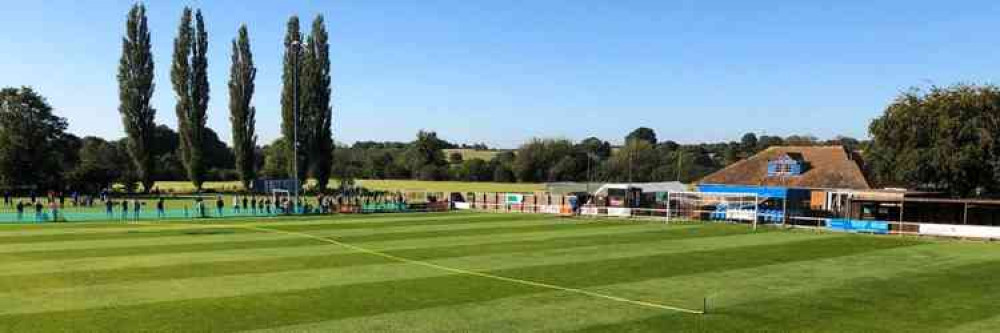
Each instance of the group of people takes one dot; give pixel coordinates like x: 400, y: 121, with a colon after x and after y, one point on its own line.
x: 51, y: 206
x: 53, y: 202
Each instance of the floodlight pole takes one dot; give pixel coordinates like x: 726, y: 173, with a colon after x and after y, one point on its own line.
x: 296, y: 49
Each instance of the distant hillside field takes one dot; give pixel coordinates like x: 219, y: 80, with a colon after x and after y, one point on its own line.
x: 468, y: 154
x: 389, y: 185
x: 450, y: 186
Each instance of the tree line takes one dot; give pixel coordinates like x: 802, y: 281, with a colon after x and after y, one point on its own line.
x: 641, y: 159
x: 305, y: 100
x: 945, y: 139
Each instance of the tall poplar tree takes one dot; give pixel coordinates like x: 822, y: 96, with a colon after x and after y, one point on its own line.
x: 241, y: 113
x: 293, y: 56
x: 135, y: 89
x: 319, y: 115
x: 189, y: 76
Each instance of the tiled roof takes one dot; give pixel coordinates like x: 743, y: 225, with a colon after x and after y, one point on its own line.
x: 825, y: 167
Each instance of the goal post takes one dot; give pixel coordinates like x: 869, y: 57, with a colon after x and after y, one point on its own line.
x: 710, y: 206
x: 281, y: 199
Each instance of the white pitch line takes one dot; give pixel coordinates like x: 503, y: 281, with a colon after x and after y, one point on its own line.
x: 479, y: 274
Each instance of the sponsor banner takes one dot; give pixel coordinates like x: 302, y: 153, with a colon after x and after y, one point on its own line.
x: 589, y: 211
x: 463, y: 205
x: 548, y: 209
x: 512, y: 198
x: 952, y: 230
x: 873, y: 227
x: 619, y: 212
x: 740, y: 214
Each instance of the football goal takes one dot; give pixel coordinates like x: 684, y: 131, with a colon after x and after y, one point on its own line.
x: 708, y: 206
x: 283, y: 201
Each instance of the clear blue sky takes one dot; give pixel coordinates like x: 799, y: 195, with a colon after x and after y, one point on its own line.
x: 501, y: 72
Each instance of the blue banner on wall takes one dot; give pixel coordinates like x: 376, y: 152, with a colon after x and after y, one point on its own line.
x: 848, y: 225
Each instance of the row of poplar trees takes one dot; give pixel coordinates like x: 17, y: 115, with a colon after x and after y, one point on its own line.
x: 189, y: 78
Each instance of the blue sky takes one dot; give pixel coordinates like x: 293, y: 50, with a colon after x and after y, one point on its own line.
x: 501, y: 72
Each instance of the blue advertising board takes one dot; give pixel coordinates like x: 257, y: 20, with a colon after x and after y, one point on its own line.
x: 863, y: 226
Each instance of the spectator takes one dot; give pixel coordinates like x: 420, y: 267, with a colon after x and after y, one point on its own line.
x: 220, y: 205
x: 160, y: 208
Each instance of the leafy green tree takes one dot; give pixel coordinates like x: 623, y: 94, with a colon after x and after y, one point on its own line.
x: 30, y: 139
x: 801, y: 140
x: 633, y: 162
x: 474, y: 170
x: 166, y: 153
x: 748, y: 143
x: 944, y: 139
x: 276, y: 159
x: 189, y: 75
x: 536, y: 161
x: 135, y: 89
x: 455, y: 158
x: 100, y: 165
x: 218, y: 155
x: 765, y: 142
x: 242, y: 115
x: 642, y: 133
x: 426, y: 150
x: 318, y: 115
x: 598, y: 149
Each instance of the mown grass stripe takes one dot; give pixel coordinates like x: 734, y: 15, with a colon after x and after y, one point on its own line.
x: 210, y: 235
x: 507, y: 254
x: 123, y: 293
x: 112, y: 226
x: 153, y: 249
x: 493, y: 231
x: 544, y: 312
x: 612, y: 244
x: 114, y: 249
x: 640, y: 235
x: 314, y: 305
x: 911, y: 303
x: 180, y: 230
x: 402, y: 222
x: 593, y: 273
x: 795, y: 279
x: 383, y: 218
x: 124, y: 234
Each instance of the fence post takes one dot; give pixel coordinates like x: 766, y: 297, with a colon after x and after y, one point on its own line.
x: 756, y: 207
x: 668, y: 208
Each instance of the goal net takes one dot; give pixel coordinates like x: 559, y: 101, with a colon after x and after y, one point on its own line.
x: 282, y: 201
x: 708, y: 206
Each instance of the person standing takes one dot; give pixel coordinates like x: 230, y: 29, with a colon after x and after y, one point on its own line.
x: 245, y: 207
x: 220, y: 205
x: 109, y: 208
x: 200, y: 206
x: 160, y: 208
x: 20, y: 210
x: 38, y: 211
x: 54, y: 210
x: 125, y: 209
x: 137, y: 205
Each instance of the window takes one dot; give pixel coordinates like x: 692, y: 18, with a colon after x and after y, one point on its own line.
x: 784, y: 166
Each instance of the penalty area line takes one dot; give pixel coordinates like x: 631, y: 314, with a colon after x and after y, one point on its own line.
x: 478, y: 274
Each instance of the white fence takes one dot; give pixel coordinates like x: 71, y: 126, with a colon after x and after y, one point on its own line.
x: 669, y: 214
x: 911, y: 228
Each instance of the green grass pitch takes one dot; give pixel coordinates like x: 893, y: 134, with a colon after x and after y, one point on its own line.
x: 467, y: 272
